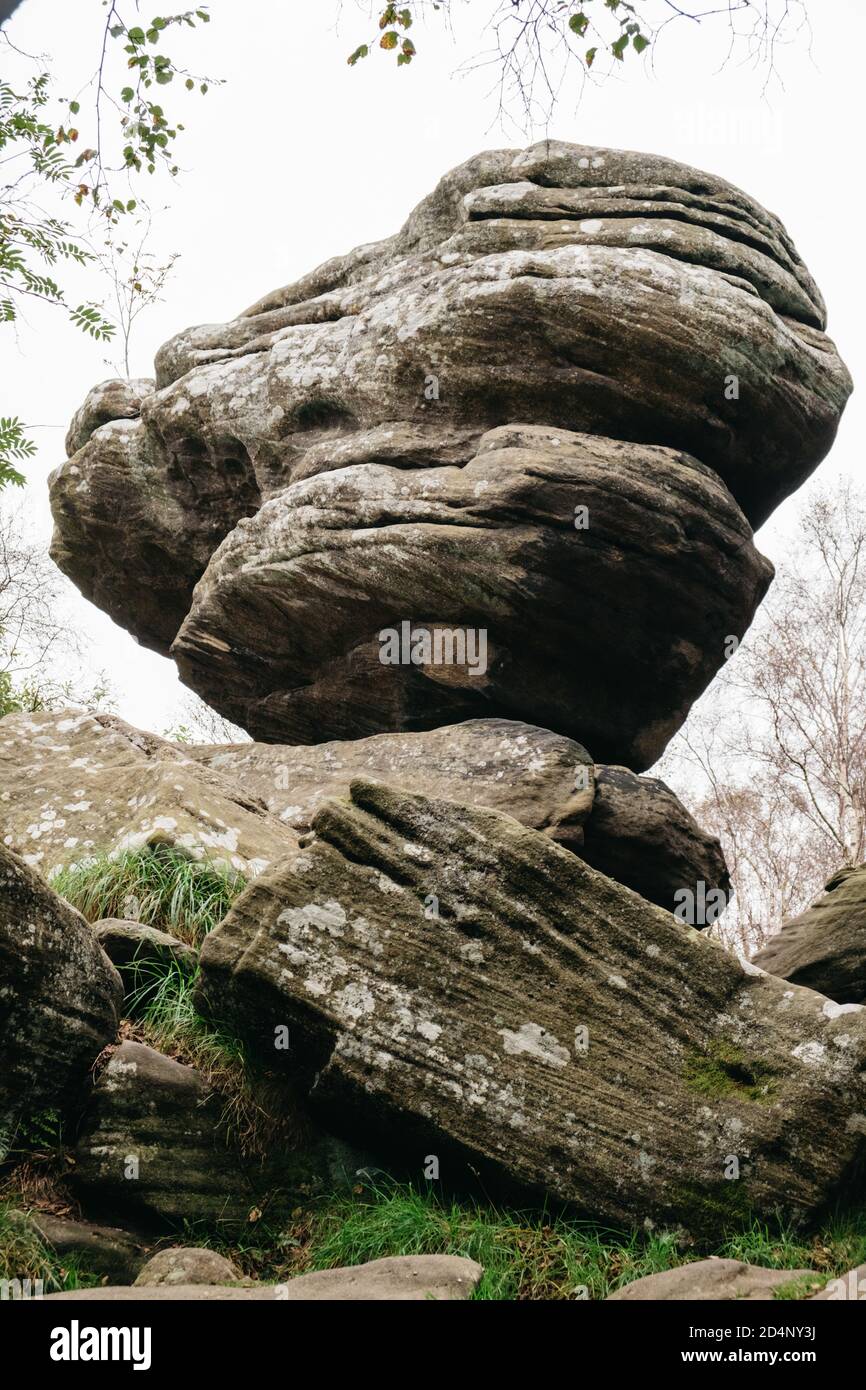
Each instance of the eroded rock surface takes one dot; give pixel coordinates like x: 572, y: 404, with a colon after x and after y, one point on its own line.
x: 73, y: 785
x: 459, y: 985
x: 336, y: 439
x: 825, y: 947
x: 633, y: 829
x: 714, y: 1281
x: 155, y: 1145
x: 60, y: 997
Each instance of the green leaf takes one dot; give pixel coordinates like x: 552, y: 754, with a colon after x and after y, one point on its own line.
x: 127, y: 95
x: 390, y: 40
x: 578, y: 24
x: 361, y: 52
x: 590, y: 56
x: 640, y: 43
x: 74, y: 107
x: 619, y: 46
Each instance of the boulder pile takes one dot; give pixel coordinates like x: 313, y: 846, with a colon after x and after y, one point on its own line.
x: 457, y: 527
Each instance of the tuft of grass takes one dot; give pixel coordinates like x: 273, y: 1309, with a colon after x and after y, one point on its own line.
x: 167, y: 1019
x: 159, y: 886
x: 24, y: 1255
x: 725, y: 1071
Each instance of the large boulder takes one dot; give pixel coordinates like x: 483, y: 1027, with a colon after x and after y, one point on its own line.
x: 825, y: 947
x: 461, y: 987
x: 640, y: 833
x: 73, y: 785
x: 633, y: 829
x: 487, y: 555
x: 155, y: 1145
x: 561, y: 291
x: 60, y: 997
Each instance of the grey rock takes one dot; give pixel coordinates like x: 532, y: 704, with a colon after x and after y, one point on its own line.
x: 459, y: 985
x: 710, y: 1281
x: 154, y: 1147
x: 74, y: 784
x: 633, y: 829
x: 848, y: 1287
x: 561, y: 287
x: 640, y: 833
x: 398, y: 1279
x: 490, y: 547
x: 825, y: 947
x: 60, y: 997
x: 187, y: 1265
x: 109, y: 1251
x: 135, y: 949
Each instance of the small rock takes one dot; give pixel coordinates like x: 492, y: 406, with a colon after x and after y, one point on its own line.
x: 187, y: 1265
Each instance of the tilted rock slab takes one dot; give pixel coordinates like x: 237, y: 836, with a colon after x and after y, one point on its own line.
x: 565, y: 287
x: 825, y: 947
x: 74, y: 785
x: 60, y: 997
x: 457, y: 984
x: 634, y: 829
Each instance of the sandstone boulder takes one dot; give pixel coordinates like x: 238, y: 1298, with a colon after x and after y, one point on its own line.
x: 640, y: 833
x: 60, y: 997
x: 113, y: 1253
x: 73, y: 785
x: 140, y: 953
x: 187, y: 1265
x: 713, y: 1281
x: 398, y: 1279
x: 154, y: 1145
x: 457, y: 985
x: 633, y: 829
x: 560, y: 288
x: 825, y: 947
x: 483, y: 564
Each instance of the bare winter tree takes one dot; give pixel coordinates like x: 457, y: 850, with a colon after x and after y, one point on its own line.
x: 774, y: 761
x: 36, y: 639
x: 537, y: 46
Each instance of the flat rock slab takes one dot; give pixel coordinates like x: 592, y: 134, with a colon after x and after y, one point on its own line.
x: 60, y: 996
x: 849, y: 1287
x: 453, y: 982
x: 398, y: 1279
x: 106, y: 1250
x: 73, y: 785
x: 825, y: 947
x: 713, y: 1281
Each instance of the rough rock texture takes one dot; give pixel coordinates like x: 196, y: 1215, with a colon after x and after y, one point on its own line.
x: 640, y: 833
x: 398, y: 1279
x: 559, y: 288
x: 113, y: 1253
x: 825, y: 947
x: 188, y: 1265
x: 437, y: 966
x: 136, y: 949
x: 490, y: 548
x: 74, y: 784
x: 710, y: 1281
x: 633, y: 829
x: 60, y: 996
x: 153, y: 1144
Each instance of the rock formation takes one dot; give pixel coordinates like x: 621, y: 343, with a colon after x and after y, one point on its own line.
x: 825, y: 947
x: 459, y: 985
x: 458, y: 527
x: 60, y: 997
x: 548, y: 410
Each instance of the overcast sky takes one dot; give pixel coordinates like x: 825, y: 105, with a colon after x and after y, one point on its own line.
x: 298, y: 158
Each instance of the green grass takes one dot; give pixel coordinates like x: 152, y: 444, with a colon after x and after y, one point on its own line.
x: 24, y: 1255
x: 159, y: 886
x: 525, y: 1255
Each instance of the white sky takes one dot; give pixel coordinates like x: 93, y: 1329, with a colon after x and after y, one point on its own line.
x: 298, y: 158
